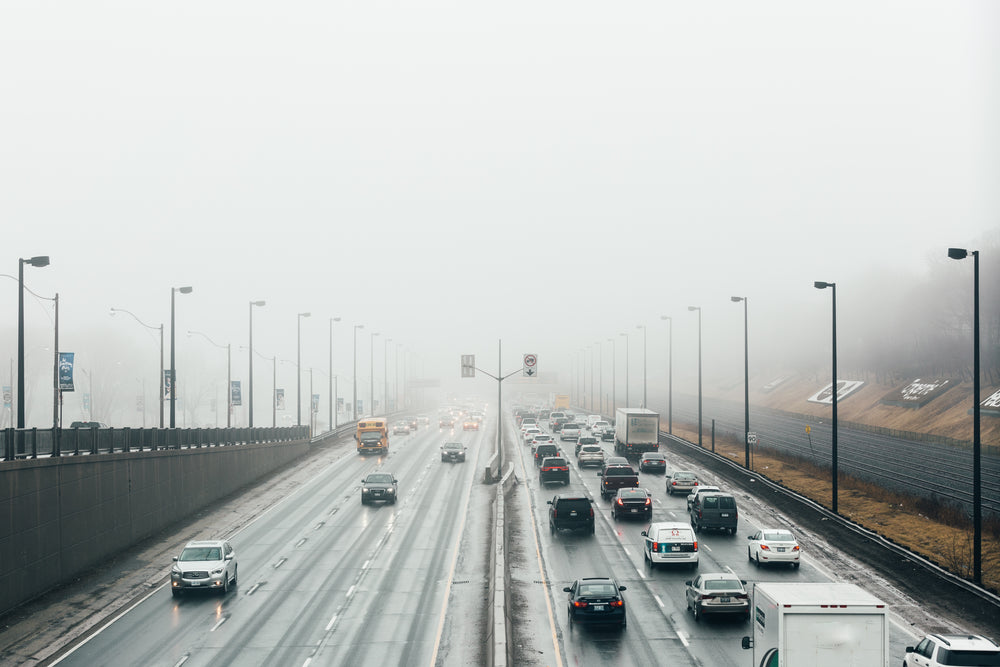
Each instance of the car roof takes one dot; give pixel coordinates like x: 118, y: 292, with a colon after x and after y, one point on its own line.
x: 718, y: 575
x: 204, y: 543
x: 967, y: 642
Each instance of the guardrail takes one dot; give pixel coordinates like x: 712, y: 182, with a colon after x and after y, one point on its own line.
x: 35, y: 442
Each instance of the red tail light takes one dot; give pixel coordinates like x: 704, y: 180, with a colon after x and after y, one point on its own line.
x: 696, y: 545
x: 764, y: 547
x: 579, y: 603
x: 619, y: 501
x: 796, y: 548
x: 591, y: 511
x: 649, y: 501
x: 617, y: 603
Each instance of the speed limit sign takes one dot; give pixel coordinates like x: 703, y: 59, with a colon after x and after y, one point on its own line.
x: 751, y: 438
x: 530, y: 368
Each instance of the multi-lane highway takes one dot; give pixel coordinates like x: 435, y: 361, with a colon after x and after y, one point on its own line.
x: 324, y: 580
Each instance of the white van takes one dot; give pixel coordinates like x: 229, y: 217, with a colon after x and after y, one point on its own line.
x: 670, y: 542
x: 593, y: 419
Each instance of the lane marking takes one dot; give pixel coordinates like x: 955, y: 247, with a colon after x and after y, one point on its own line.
x: 281, y: 561
x: 216, y: 626
x: 683, y: 638
x: 184, y: 658
x: 659, y: 602
x: 332, y: 622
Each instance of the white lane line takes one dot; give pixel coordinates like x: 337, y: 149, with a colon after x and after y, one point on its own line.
x: 683, y: 639
x: 333, y: 621
x: 280, y: 562
x: 365, y: 566
x: 659, y: 602
x: 184, y: 658
x: 216, y: 626
x: 350, y: 593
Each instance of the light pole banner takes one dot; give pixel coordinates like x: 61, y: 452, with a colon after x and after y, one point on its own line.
x: 235, y: 393
x: 279, y: 399
x: 168, y: 384
x: 65, y: 371
x: 315, y: 405
x: 340, y: 404
x: 8, y: 396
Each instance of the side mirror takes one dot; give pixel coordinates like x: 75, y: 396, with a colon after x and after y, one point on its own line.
x: 743, y: 581
x: 622, y: 588
x: 175, y: 559
x: 362, y: 481
x: 747, y: 642
x: 567, y: 589
x: 547, y: 502
x: 749, y: 537
x: 687, y: 583
x: 600, y: 474
x: 643, y: 533
x: 229, y: 556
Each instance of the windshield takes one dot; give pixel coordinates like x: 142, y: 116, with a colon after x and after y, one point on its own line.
x: 778, y: 536
x: 379, y: 478
x: 371, y: 436
x: 722, y: 585
x: 598, y: 590
x: 201, y: 553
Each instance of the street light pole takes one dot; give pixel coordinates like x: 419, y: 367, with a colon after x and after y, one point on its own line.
x: 173, y: 359
x: 229, y: 375
x: 977, y: 489
x: 250, y: 380
x: 614, y: 377
x: 395, y: 384
x: 600, y: 378
x: 643, y: 327
x: 670, y: 373
x: 698, y: 308
x: 627, y: 404
x: 298, y: 372
x: 835, y: 391
x: 39, y: 261
x: 332, y: 389
x: 354, y: 395
x: 385, y: 374
x: 746, y: 376
x: 371, y: 372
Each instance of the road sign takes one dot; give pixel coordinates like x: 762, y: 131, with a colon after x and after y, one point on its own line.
x: 751, y: 438
x: 530, y: 365
x: 468, y: 365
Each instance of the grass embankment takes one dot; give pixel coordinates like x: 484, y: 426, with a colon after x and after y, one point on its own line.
x: 940, y: 532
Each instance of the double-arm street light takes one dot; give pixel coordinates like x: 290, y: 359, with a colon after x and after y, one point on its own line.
x: 670, y: 372
x: 614, y: 377
x: 385, y: 375
x: 977, y: 489
x: 698, y: 308
x: 371, y: 372
x: 173, y: 365
x: 331, y: 379
x: 746, y: 376
x: 39, y: 261
x: 298, y: 371
x: 149, y: 326
x: 250, y: 380
x: 643, y: 327
x: 354, y: 393
x: 625, y: 335
x: 834, y: 390
x: 229, y: 375
x: 600, y: 377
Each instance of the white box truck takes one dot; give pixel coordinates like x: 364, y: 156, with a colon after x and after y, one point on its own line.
x: 637, y: 430
x: 817, y: 625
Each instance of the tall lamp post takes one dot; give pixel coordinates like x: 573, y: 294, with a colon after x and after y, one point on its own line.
x: 149, y: 326
x: 229, y: 375
x: 39, y: 261
x: 977, y: 490
x: 298, y: 372
x: 250, y: 380
x: 670, y: 373
x: 643, y: 327
x: 395, y: 384
x: 173, y: 358
x: 371, y: 372
x: 625, y: 335
x: 600, y: 377
x: 354, y: 394
x: 614, y: 377
x: 746, y: 376
x: 385, y: 374
x: 332, y: 380
x: 698, y: 308
x: 834, y: 390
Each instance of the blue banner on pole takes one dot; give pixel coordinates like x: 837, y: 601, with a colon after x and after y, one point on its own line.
x: 8, y: 396
x: 279, y: 399
x: 168, y: 384
x: 65, y: 371
x: 236, y: 394
x: 315, y: 403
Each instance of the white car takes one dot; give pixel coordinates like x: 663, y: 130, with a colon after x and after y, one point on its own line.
x: 670, y: 542
x: 204, y: 565
x: 530, y: 433
x: 540, y: 439
x: 939, y: 650
x: 597, y: 428
x: 590, y: 455
x: 570, y: 431
x: 773, y: 545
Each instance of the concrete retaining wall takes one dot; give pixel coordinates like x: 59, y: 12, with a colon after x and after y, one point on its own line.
x: 62, y: 516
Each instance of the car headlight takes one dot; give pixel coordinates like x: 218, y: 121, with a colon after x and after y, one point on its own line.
x: 218, y: 570
x: 175, y: 570
x: 390, y: 490
x: 365, y: 490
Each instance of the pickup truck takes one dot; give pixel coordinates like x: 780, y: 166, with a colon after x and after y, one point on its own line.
x: 617, y: 477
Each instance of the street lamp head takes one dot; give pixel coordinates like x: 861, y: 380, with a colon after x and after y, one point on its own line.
x: 334, y: 319
x: 623, y: 333
x: 258, y: 303
x: 304, y: 314
x: 113, y: 311
x: 665, y: 317
x: 958, y: 253
x: 359, y: 326
x: 693, y: 308
x: 184, y: 290
x: 821, y: 285
x: 737, y: 299
x: 40, y: 260
x: 640, y: 326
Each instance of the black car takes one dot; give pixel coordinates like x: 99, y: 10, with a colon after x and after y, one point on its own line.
x: 571, y: 513
x: 554, y: 469
x: 453, y: 451
x: 608, y: 434
x: 379, y: 486
x: 596, y: 601
x: 616, y: 477
x: 542, y: 451
x: 632, y: 503
x: 653, y: 462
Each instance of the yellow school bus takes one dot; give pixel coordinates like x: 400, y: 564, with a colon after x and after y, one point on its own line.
x: 373, y: 435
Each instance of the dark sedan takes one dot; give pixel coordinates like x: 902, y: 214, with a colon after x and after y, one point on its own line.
x: 453, y: 451
x: 632, y: 503
x: 653, y: 462
x: 379, y: 486
x: 596, y: 601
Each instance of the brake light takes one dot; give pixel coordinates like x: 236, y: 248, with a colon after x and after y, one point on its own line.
x: 579, y: 603
x: 619, y: 501
x: 796, y: 548
x: 741, y: 596
x: 696, y: 545
x: 656, y: 546
x: 649, y: 501
x: 706, y: 597
x: 617, y: 603
x: 764, y: 547
x: 591, y: 511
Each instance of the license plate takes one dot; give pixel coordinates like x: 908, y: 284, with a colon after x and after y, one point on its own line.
x: 781, y: 549
x: 724, y: 516
x: 725, y: 599
x: 598, y: 607
x: 675, y: 548
x: 196, y: 583
x: 572, y: 513
x: 634, y: 509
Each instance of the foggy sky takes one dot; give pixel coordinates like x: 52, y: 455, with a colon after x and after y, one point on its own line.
x: 449, y: 174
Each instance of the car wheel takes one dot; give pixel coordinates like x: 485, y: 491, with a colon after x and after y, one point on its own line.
x: 758, y: 560
x: 176, y: 592
x: 732, y: 531
x: 592, y: 529
x: 624, y: 624
x: 236, y: 572
x: 749, y: 556
x: 697, y: 528
x: 225, y: 585
x: 697, y: 614
x: 795, y: 565
x: 552, y: 529
x: 363, y: 501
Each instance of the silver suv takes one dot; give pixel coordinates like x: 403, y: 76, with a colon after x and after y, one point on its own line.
x: 204, y: 564
x: 570, y: 431
x: 934, y: 650
x: 590, y: 455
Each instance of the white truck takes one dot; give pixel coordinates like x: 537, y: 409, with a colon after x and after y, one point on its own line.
x: 637, y: 430
x: 817, y: 625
